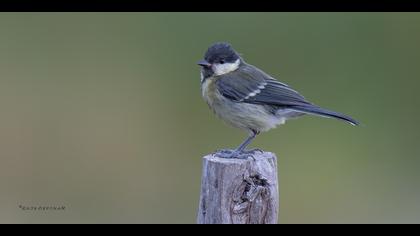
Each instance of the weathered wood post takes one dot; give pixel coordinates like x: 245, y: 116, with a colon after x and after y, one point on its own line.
x: 239, y: 191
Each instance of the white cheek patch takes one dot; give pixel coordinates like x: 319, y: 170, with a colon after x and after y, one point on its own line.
x: 220, y: 69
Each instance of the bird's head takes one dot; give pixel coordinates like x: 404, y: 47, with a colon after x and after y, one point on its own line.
x: 219, y: 59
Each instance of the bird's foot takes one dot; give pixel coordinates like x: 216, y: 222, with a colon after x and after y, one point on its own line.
x: 253, y: 151
x: 234, y: 154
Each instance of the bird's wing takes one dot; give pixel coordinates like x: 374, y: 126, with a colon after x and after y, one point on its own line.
x: 248, y: 84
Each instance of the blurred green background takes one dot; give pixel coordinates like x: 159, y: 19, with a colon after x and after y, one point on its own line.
x: 102, y: 113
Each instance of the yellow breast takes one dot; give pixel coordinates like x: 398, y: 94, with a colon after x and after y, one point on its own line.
x: 209, y: 91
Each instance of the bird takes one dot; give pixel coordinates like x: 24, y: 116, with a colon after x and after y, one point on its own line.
x: 247, y: 98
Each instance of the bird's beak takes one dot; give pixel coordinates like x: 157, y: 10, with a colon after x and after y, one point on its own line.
x: 204, y: 63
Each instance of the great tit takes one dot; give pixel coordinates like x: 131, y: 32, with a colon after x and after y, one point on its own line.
x: 246, y: 97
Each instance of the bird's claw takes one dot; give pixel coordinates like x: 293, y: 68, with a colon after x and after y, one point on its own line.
x: 234, y: 154
x: 253, y: 151
x: 224, y: 151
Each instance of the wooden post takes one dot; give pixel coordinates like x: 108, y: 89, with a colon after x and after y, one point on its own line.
x: 239, y: 191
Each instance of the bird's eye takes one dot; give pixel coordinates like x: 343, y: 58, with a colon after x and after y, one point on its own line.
x: 222, y: 61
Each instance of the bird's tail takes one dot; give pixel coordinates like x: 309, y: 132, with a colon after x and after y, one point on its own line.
x: 314, y: 110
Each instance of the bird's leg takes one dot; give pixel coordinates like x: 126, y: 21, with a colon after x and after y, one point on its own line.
x: 247, y: 141
x: 240, y: 152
